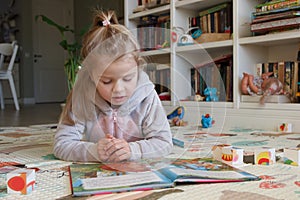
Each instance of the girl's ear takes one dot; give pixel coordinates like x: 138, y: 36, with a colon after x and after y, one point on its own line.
x: 141, y: 63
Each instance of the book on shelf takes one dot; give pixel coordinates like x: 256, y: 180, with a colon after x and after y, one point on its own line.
x: 215, y: 73
x: 213, y: 9
x: 216, y: 19
x: 275, y: 25
x: 276, y: 6
x: 286, y: 72
x: 153, y: 31
x: 159, y: 74
x: 276, y: 16
x: 93, y: 179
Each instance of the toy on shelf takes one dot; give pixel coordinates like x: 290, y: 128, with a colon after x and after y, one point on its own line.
x: 207, y: 121
x: 184, y: 38
x: 198, y: 97
x: 262, y: 85
x: 211, y: 94
x: 176, y: 117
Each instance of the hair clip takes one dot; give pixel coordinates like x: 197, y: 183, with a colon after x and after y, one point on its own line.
x: 105, y: 22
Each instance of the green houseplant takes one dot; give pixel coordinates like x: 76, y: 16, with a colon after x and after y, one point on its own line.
x: 72, y: 64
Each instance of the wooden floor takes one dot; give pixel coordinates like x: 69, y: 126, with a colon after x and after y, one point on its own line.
x: 32, y: 114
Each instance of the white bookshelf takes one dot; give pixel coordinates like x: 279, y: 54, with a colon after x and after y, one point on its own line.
x: 247, y: 51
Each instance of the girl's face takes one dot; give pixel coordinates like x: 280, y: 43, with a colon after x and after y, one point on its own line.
x: 118, y: 81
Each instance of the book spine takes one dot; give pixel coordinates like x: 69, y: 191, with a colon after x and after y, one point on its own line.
x: 259, y: 69
x: 213, y: 9
x: 277, y: 24
x: 287, y: 74
x: 281, y: 72
x: 294, y: 83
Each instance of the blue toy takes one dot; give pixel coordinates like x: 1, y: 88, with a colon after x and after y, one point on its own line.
x: 177, y: 112
x: 211, y: 94
x: 176, y: 116
x: 206, y: 121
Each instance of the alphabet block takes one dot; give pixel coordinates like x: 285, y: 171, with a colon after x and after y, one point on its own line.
x: 264, y: 156
x: 20, y: 181
x: 291, y: 156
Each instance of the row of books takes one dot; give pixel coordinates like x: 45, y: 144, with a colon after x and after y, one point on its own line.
x: 160, y: 76
x: 276, y: 19
x: 217, y: 19
x: 286, y: 71
x: 153, y: 32
x: 216, y: 74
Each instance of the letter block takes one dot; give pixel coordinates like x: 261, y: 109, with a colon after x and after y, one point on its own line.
x: 264, y: 156
x: 20, y: 181
x: 228, y: 154
x: 291, y: 156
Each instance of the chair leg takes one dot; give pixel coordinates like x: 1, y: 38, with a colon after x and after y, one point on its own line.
x: 1, y: 97
x: 13, y: 92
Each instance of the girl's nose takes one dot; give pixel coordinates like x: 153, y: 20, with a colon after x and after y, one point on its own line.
x: 118, y: 86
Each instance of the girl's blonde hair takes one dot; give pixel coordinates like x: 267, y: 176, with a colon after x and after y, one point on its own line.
x: 106, y: 40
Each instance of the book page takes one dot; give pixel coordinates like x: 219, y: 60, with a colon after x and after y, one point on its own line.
x: 209, y: 174
x: 120, y: 181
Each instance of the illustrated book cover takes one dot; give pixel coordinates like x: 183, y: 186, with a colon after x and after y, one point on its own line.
x: 95, y: 179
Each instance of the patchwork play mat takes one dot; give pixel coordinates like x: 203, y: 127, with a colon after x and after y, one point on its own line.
x: 32, y: 146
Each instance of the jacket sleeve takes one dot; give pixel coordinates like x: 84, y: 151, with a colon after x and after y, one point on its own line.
x: 69, y: 144
x: 156, y: 130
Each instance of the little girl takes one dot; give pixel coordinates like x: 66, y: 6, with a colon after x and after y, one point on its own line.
x: 113, y: 112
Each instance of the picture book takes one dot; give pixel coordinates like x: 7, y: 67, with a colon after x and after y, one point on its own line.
x: 93, y: 179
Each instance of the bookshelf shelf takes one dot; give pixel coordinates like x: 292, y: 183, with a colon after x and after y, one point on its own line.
x: 196, y: 4
x: 158, y: 10
x: 246, y: 50
x: 207, y: 45
x: 289, y: 37
x: 156, y: 52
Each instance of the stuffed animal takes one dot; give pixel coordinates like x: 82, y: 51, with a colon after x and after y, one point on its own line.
x: 211, y: 94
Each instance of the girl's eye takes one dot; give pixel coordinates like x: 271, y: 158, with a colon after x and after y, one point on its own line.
x: 106, y: 81
x: 128, y: 79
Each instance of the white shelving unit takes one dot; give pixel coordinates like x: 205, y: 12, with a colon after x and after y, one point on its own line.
x: 247, y: 51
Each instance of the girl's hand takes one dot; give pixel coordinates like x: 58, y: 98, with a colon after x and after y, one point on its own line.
x: 117, y: 150
x: 101, y: 145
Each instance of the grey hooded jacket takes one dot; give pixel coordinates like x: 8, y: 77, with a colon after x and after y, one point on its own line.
x: 141, y: 121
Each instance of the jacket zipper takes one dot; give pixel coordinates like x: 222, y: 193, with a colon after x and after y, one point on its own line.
x: 114, y: 122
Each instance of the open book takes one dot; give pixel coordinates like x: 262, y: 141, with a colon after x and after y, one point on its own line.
x: 91, y: 179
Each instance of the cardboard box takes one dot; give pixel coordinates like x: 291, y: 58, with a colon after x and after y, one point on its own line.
x: 20, y: 181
